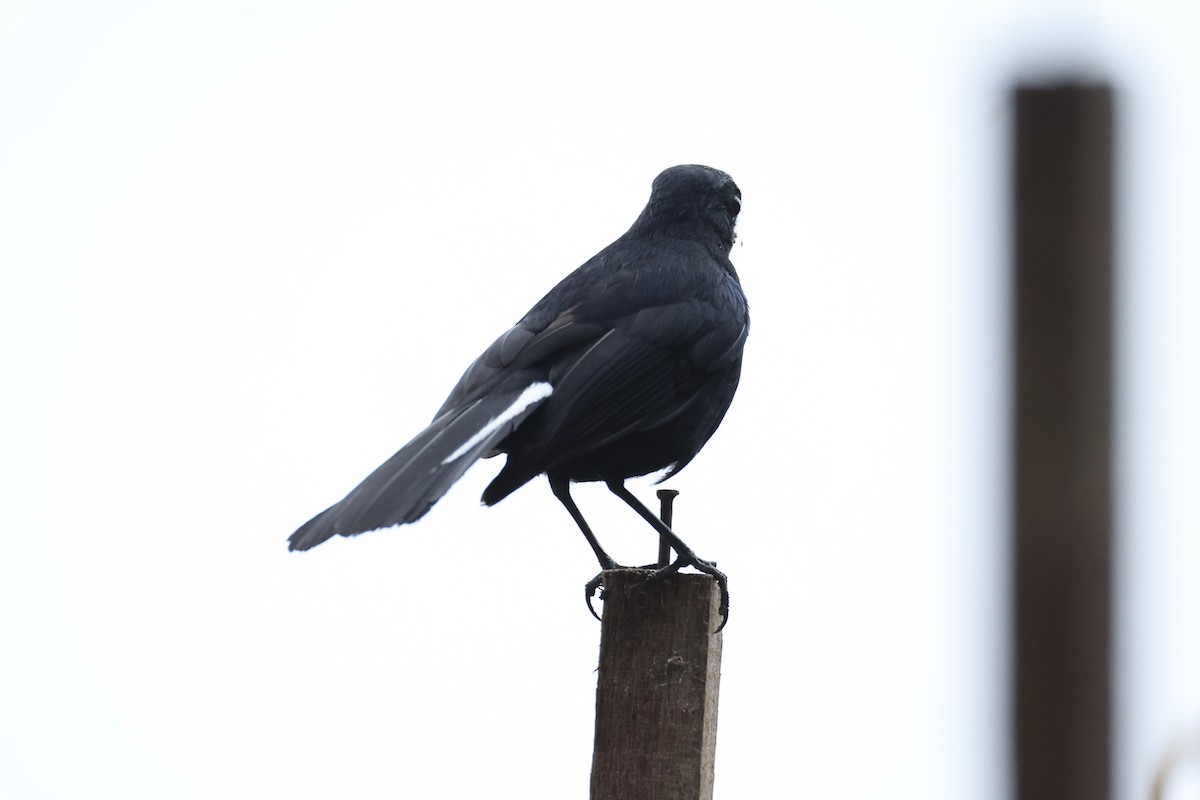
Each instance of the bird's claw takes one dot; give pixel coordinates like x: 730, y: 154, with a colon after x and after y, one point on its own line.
x: 590, y: 590
x: 700, y: 565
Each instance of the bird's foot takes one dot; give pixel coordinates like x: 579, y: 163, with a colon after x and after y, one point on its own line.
x: 709, y: 568
x: 591, y: 589
x: 595, y: 587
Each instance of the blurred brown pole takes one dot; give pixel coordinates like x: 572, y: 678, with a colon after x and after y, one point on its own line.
x: 1063, y: 179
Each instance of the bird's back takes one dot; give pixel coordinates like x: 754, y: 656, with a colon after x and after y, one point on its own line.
x: 648, y: 388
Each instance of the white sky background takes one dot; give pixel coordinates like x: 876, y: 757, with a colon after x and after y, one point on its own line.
x: 246, y: 250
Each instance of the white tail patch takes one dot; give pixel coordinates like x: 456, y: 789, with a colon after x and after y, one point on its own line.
x: 534, y: 393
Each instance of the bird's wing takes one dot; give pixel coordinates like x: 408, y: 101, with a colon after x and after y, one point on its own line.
x: 524, y: 346
x: 587, y: 304
x: 646, y: 369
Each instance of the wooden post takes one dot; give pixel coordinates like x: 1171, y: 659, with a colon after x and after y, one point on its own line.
x: 656, y: 698
x: 1063, y: 420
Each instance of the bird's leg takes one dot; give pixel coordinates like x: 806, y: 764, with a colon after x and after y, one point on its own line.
x: 562, y: 490
x: 687, y: 557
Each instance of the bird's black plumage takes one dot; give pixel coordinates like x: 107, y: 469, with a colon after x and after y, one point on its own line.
x: 625, y: 368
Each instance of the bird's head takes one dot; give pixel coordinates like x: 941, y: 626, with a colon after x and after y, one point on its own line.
x: 693, y: 202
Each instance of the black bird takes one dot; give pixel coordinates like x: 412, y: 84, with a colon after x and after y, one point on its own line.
x: 625, y: 368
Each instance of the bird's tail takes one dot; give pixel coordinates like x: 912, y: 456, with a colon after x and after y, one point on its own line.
x: 407, y: 485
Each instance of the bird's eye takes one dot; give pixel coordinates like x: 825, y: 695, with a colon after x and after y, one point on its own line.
x: 734, y: 206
